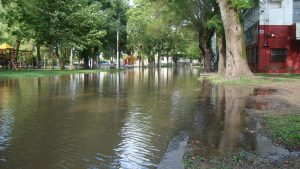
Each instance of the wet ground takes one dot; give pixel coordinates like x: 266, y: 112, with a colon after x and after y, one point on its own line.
x: 234, y: 133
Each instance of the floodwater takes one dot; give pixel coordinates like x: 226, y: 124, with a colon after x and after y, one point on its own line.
x: 129, y: 119
x: 104, y: 120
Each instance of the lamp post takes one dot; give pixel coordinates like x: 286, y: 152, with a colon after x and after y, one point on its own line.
x: 118, y: 39
x: 118, y: 32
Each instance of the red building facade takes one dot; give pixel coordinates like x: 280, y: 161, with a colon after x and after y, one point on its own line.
x: 272, y: 37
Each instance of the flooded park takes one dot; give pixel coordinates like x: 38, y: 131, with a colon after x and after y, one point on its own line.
x: 139, y: 118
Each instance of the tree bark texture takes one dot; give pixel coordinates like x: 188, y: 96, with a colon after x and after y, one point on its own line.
x: 222, y: 54
x: 205, y: 46
x: 236, y: 62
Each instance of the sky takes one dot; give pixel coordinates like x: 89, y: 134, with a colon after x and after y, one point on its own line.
x: 130, y: 2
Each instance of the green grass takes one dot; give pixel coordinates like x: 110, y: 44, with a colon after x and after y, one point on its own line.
x: 257, y: 79
x: 283, y: 75
x: 15, y: 74
x: 284, y: 129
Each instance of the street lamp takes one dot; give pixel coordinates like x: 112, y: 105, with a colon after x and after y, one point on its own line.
x: 118, y: 32
x: 118, y: 39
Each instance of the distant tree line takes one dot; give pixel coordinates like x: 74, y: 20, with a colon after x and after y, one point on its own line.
x: 59, y: 27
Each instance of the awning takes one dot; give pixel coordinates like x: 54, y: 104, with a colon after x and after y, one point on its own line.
x: 5, y: 46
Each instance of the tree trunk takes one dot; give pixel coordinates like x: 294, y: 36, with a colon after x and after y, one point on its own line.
x: 17, y: 47
x: 206, y: 58
x: 159, y: 59
x: 38, y: 54
x: 86, y: 62
x: 205, y: 47
x: 62, y: 59
x: 56, y: 51
x: 71, y: 58
x: 221, y: 51
x: 140, y: 60
x: 236, y: 62
x: 167, y: 59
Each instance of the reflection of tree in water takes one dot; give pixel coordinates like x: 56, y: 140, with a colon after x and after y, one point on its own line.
x: 220, y: 119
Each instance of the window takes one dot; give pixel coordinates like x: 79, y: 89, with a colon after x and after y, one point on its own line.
x: 278, y: 55
x: 275, y: 4
x: 296, y: 13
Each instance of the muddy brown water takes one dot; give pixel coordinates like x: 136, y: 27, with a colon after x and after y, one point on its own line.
x: 116, y: 120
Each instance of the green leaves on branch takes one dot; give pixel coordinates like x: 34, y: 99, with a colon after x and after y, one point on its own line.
x: 243, y: 4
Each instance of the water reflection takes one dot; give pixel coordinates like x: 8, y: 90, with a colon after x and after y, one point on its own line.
x: 104, y: 120
x: 221, y: 121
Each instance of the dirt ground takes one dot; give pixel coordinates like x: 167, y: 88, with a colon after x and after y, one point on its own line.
x: 289, y: 91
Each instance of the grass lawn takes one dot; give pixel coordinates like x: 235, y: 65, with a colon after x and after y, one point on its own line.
x: 257, y: 79
x: 14, y: 74
x: 285, y: 129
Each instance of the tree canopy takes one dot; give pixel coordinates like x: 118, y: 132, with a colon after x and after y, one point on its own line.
x: 149, y: 28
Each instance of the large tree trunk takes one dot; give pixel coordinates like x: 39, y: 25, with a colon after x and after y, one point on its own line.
x: 205, y: 47
x: 221, y: 51
x: 236, y: 62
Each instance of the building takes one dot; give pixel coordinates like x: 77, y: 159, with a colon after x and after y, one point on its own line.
x: 272, y: 33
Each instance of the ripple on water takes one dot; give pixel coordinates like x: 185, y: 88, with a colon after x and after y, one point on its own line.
x: 95, y: 120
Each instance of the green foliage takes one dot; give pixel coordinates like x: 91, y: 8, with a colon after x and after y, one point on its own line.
x: 65, y: 24
x: 285, y: 129
x: 216, y: 23
x: 243, y: 4
x: 155, y: 27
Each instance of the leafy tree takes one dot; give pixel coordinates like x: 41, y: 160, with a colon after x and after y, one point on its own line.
x: 155, y: 28
x: 195, y: 15
x: 113, y: 8
x: 61, y: 24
